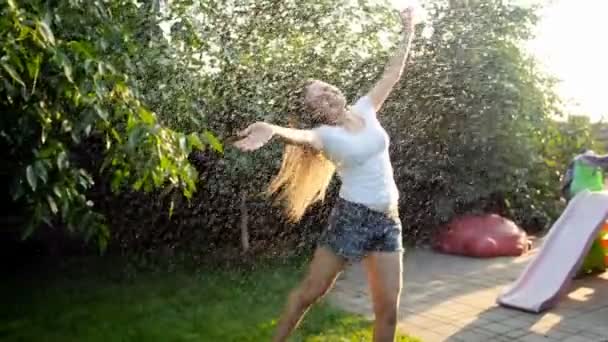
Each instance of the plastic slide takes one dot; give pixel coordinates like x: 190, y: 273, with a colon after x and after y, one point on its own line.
x: 549, y: 274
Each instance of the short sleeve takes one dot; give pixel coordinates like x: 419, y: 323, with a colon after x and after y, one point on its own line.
x: 324, y: 133
x: 330, y: 140
x: 364, y: 107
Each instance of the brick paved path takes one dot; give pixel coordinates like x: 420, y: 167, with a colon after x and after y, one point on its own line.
x: 448, y: 298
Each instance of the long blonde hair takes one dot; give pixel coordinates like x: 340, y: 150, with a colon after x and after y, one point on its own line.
x: 303, y: 179
x: 305, y: 174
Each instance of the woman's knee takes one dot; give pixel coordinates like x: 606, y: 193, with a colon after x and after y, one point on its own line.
x: 386, y: 306
x: 387, y: 314
x: 310, y: 292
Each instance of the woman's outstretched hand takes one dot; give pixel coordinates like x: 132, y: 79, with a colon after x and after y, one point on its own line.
x: 407, y: 19
x: 254, y: 136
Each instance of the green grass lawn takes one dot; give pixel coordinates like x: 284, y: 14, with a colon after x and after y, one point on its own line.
x: 97, y: 303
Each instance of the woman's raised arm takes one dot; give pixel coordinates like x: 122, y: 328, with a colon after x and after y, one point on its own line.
x: 394, y: 68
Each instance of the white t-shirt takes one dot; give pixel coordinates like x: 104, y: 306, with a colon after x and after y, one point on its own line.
x: 362, y: 159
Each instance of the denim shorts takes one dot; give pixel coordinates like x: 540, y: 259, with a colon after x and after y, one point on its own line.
x: 355, y: 230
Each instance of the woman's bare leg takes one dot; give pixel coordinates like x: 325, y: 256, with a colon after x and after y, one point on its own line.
x: 323, y: 271
x: 384, y: 276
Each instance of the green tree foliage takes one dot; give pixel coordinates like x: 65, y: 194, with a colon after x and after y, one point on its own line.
x: 471, y: 123
x: 566, y: 139
x: 474, y: 118
x: 66, y: 71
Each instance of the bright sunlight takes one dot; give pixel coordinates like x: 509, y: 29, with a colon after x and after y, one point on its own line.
x: 569, y: 45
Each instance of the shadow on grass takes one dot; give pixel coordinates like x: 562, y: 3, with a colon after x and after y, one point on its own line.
x: 104, y: 300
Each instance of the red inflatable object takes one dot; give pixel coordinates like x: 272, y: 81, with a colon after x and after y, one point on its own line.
x: 482, y: 236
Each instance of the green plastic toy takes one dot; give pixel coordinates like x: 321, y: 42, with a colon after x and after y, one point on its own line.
x: 586, y: 176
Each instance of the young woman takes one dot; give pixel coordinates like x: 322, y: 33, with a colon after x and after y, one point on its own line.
x: 364, y: 224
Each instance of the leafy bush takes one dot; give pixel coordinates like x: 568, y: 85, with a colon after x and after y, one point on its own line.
x: 472, y: 123
x: 65, y: 82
